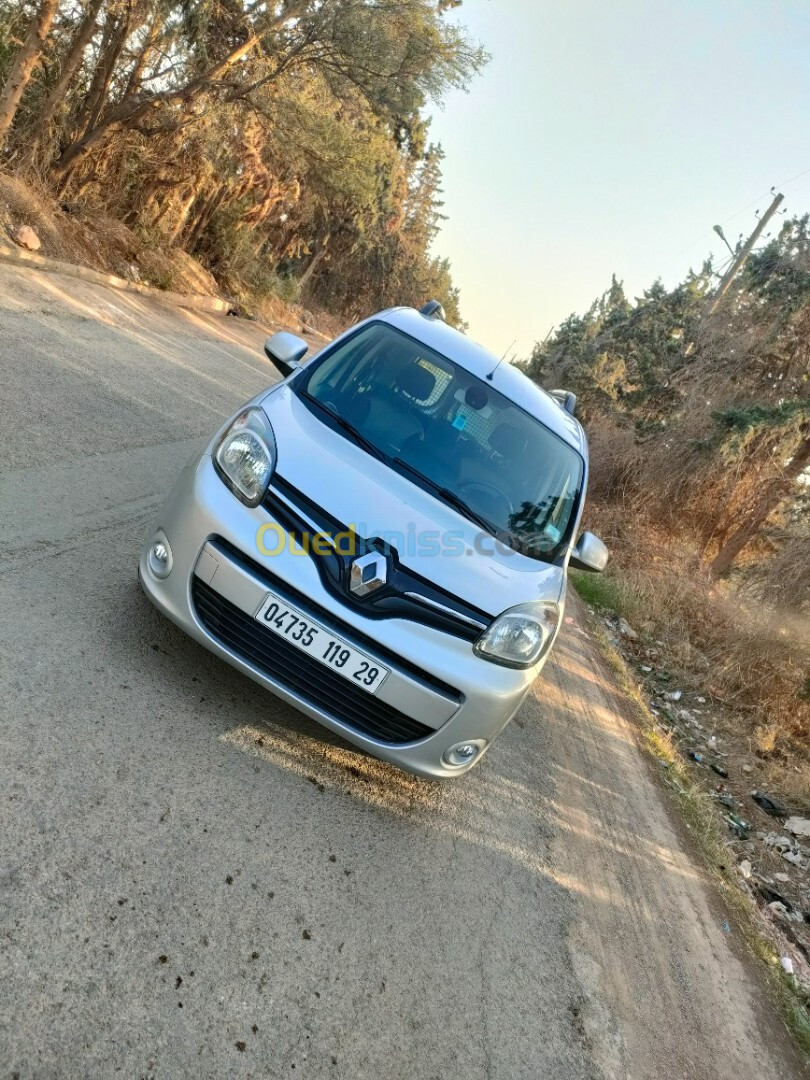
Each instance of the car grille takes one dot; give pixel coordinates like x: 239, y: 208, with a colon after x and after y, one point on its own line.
x: 297, y: 671
x: 406, y: 595
x: 295, y: 598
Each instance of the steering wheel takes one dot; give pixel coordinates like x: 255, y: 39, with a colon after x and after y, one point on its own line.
x: 493, y: 497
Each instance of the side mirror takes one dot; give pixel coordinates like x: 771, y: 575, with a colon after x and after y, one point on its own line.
x: 285, y: 351
x: 566, y: 399
x: 589, y: 554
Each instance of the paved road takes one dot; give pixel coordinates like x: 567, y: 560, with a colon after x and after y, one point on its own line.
x: 196, y: 880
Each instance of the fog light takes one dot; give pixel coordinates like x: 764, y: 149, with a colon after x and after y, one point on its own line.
x: 160, y: 556
x: 462, y: 753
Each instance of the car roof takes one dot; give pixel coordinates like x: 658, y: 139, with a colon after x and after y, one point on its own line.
x: 506, y: 378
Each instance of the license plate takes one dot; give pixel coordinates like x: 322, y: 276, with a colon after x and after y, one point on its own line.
x: 315, y: 640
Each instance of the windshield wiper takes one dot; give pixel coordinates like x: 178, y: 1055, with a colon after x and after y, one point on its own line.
x: 448, y: 496
x: 348, y: 427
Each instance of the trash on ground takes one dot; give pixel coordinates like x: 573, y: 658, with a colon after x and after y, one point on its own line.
x: 769, y: 805
x: 784, y: 912
x: 787, y: 964
x: 777, y: 907
x: 738, y: 826
x: 745, y: 868
x: 626, y: 630
x: 794, y: 857
x: 781, y: 843
x: 787, y: 848
x: 798, y: 826
x: 673, y: 695
x: 771, y: 896
x: 718, y: 769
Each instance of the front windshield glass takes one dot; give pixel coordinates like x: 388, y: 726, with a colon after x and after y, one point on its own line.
x: 473, y: 447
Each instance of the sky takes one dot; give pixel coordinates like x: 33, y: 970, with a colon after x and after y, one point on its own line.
x: 609, y: 137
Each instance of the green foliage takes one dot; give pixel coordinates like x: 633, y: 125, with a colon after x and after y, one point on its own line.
x: 779, y: 273
x: 746, y: 418
x: 621, y: 355
x: 381, y: 258
x: 284, y: 144
x: 700, y: 421
x: 602, y: 591
x: 11, y: 29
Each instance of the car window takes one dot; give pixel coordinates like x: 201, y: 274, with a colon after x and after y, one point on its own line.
x: 442, y: 377
x: 419, y: 409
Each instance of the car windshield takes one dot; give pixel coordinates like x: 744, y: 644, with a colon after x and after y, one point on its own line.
x: 452, y: 434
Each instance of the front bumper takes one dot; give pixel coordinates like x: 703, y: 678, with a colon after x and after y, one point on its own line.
x: 435, y: 678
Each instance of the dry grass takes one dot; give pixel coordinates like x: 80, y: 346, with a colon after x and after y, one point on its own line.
x: 790, y: 778
x: 749, y: 659
x: 81, y: 234
x: 74, y: 233
x: 784, y: 577
x: 63, y: 236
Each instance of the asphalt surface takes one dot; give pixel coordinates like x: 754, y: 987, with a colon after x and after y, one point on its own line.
x: 196, y: 880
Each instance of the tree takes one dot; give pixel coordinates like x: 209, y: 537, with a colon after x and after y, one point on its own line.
x: 69, y: 67
x: 396, y: 53
x: 25, y: 62
x: 283, y: 144
x: 706, y: 419
x: 770, y: 451
x: 771, y: 495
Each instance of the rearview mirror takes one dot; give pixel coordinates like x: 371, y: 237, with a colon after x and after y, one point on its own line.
x: 285, y: 351
x: 589, y: 554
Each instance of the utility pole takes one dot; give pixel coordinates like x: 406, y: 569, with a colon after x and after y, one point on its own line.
x: 745, y: 251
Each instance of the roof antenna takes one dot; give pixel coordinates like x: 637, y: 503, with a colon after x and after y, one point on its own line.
x: 508, y: 347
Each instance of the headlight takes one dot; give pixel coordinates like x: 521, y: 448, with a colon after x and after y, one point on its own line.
x: 521, y: 636
x: 245, y: 456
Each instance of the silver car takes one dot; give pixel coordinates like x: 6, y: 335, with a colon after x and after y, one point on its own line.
x: 382, y: 538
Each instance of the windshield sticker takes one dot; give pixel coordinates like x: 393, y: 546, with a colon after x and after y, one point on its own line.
x: 460, y: 422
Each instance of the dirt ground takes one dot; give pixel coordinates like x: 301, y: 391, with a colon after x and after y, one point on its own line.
x: 78, y: 233
x: 193, y: 876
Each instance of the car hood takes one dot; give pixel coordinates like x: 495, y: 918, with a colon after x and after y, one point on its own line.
x: 431, y: 538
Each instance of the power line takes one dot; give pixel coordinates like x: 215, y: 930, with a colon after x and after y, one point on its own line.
x: 744, y: 252
x: 643, y: 306
x: 736, y: 214
x: 717, y: 271
x: 798, y: 176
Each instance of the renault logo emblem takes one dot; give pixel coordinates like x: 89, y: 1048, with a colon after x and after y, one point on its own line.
x: 368, y: 573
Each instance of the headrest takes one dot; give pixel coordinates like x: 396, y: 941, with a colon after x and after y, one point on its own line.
x: 417, y: 382
x: 508, y: 440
